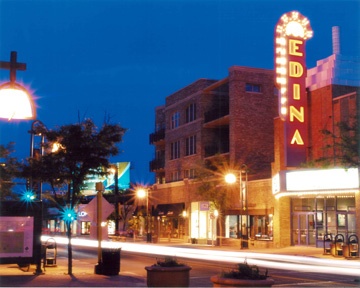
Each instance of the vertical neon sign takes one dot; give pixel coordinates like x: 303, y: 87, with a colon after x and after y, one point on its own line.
x: 292, y: 30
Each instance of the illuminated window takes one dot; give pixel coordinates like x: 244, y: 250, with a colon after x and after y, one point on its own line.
x: 191, y: 113
x: 190, y: 148
x: 253, y: 88
x: 175, y: 150
x: 175, y: 120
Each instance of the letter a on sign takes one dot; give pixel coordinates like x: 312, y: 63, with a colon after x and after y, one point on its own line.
x: 297, y: 139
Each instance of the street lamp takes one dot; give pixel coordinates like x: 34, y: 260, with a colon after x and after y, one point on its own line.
x: 144, y: 193
x: 37, y: 129
x: 230, y: 178
x: 15, y: 101
x: 214, y: 217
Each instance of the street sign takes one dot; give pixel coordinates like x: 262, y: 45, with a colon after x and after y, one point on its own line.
x: 91, y: 209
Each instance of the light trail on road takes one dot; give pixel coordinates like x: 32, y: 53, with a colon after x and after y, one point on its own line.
x: 266, y: 260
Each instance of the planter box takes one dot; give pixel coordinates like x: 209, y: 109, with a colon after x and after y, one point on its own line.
x: 229, y: 282
x: 168, y: 276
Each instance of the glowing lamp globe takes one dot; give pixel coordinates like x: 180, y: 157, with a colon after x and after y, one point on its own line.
x: 16, y: 103
x: 230, y: 178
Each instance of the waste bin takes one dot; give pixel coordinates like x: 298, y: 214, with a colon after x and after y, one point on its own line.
x: 148, y: 237
x: 49, y: 253
x: 110, y: 261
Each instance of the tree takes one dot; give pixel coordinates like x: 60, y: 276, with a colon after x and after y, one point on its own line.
x: 72, y: 153
x: 344, y: 146
x: 8, y: 169
x: 210, y: 176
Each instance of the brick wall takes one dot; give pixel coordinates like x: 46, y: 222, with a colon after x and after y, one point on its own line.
x: 251, y: 118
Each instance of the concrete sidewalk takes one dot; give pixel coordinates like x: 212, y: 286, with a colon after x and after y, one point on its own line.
x: 84, y: 276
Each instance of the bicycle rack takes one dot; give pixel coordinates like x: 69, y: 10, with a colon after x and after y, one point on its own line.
x: 327, y: 243
x: 338, y: 245
x: 353, y: 242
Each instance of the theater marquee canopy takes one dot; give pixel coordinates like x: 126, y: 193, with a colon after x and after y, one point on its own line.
x: 315, y: 182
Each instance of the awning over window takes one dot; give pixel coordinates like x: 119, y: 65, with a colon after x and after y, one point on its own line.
x: 172, y: 210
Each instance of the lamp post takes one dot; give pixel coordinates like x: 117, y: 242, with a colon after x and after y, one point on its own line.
x: 230, y: 178
x: 144, y: 193
x: 37, y: 129
x: 16, y: 103
x: 214, y: 217
x: 99, y: 187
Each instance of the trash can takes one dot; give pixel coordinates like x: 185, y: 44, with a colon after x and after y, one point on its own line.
x: 148, y: 237
x: 111, y: 261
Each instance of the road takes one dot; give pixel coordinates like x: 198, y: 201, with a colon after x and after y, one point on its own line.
x: 311, y: 274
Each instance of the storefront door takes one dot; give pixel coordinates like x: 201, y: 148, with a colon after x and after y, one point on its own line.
x: 303, y: 228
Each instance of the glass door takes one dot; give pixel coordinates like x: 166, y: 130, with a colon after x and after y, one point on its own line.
x: 303, y: 229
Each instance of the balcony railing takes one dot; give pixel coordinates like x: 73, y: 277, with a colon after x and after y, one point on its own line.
x: 213, y: 150
x: 157, y: 136
x: 157, y: 164
x: 215, y: 114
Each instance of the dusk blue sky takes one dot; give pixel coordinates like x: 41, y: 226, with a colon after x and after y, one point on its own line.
x: 120, y: 59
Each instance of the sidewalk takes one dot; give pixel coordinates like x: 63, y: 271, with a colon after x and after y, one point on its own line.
x: 83, y: 272
x: 83, y: 276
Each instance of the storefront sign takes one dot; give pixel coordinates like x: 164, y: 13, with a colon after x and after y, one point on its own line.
x: 204, y: 206
x: 291, y: 32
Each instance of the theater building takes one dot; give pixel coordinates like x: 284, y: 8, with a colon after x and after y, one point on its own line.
x: 286, y: 196
x: 316, y: 201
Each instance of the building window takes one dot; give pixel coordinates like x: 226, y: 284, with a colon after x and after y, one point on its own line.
x: 175, y: 176
x: 175, y: 120
x: 253, y: 88
x: 189, y: 173
x: 175, y: 150
x: 160, y: 126
x: 191, y: 113
x: 190, y: 148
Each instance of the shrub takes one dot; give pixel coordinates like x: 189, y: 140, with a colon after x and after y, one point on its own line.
x: 245, y: 271
x: 168, y: 262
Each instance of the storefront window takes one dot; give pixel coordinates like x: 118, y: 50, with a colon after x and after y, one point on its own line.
x: 260, y: 226
x: 231, y: 226
x: 202, y: 226
x: 85, y: 228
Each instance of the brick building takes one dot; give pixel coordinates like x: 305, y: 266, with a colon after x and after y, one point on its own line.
x: 237, y: 118
x: 232, y: 117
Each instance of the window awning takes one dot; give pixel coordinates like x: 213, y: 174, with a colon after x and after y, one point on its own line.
x: 172, y: 210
